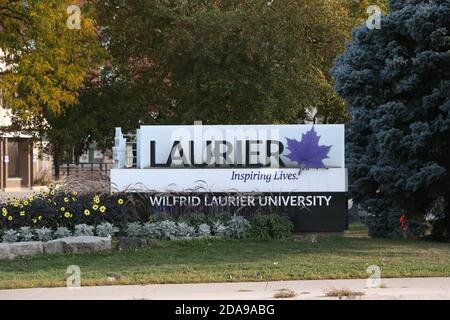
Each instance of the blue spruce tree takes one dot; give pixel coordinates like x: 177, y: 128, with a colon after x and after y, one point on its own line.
x: 396, y: 81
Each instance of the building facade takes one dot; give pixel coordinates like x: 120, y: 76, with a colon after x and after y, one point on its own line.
x: 20, y: 167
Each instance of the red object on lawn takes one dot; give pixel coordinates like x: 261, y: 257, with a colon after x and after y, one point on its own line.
x: 403, y: 222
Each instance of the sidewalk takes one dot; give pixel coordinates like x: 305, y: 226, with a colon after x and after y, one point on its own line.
x: 21, y: 193
x: 392, y: 289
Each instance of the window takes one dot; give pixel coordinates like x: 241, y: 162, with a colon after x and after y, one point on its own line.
x: 13, y: 153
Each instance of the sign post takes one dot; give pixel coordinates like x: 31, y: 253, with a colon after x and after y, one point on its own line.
x: 297, y: 169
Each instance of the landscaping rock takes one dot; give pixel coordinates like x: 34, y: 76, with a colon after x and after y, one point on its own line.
x: 9, y: 251
x: 5, y: 254
x: 131, y: 243
x: 54, y: 246
x: 84, y: 244
x: 30, y: 248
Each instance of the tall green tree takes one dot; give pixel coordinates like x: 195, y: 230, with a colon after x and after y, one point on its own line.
x: 217, y: 61
x: 207, y: 55
x: 227, y: 61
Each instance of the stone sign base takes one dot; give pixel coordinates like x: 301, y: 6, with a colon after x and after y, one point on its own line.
x: 9, y: 251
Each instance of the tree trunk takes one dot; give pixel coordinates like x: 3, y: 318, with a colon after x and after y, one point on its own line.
x: 56, y: 164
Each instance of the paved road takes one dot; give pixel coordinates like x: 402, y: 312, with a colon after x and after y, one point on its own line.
x: 404, y: 288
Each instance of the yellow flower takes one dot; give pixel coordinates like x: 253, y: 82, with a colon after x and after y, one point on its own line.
x: 34, y: 220
x: 95, y: 207
x: 67, y: 214
x: 22, y: 213
x: 102, y: 209
x: 10, y: 218
x: 40, y: 218
x: 25, y: 202
x: 30, y: 198
x: 120, y: 201
x: 74, y: 199
x: 52, y: 193
x: 86, y: 212
x: 66, y: 200
x: 4, y: 212
x: 74, y: 193
x: 62, y: 209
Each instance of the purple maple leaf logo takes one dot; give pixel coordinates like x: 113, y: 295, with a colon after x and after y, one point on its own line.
x: 307, y: 152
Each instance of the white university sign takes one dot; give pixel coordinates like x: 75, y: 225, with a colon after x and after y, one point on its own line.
x: 299, y: 169
x: 253, y: 158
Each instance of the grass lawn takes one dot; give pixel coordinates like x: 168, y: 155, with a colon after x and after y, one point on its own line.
x: 225, y: 260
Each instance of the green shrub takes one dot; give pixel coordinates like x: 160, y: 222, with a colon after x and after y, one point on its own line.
x: 168, y: 229
x: 151, y: 230
x: 219, y: 229
x: 10, y: 236
x: 26, y: 234
x: 197, y: 218
x: 106, y: 229
x: 83, y: 230
x: 282, y: 227
x: 62, y: 232
x: 237, y: 228
x: 260, y: 227
x: 44, y: 234
x: 184, y: 230
x: 134, y: 229
x: 66, y: 211
x: 270, y: 226
x: 203, y: 230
